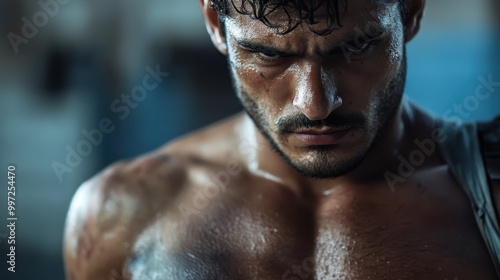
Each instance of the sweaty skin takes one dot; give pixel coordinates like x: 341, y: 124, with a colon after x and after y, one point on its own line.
x: 250, y: 198
x: 164, y: 216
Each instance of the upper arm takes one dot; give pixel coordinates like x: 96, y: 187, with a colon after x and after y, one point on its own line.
x: 95, y: 230
x: 106, y: 215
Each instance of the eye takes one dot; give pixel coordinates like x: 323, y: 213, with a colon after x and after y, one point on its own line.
x: 366, y: 47
x: 352, y: 51
x: 264, y: 55
x: 267, y: 56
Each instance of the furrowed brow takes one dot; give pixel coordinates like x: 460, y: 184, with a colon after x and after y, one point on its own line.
x: 263, y: 48
x: 353, y: 40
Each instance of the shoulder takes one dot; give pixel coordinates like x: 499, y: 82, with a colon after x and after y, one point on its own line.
x: 213, y: 144
x: 489, y: 137
x: 489, y: 134
x: 110, y: 210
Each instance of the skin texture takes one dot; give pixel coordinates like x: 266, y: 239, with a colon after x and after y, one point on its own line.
x: 243, y: 198
x: 313, y: 77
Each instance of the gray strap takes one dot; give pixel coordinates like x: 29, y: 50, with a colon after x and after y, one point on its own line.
x: 462, y: 152
x: 489, y: 134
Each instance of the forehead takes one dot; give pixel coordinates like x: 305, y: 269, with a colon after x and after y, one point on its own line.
x: 360, y: 15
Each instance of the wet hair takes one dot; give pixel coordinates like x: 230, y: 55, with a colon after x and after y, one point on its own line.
x: 296, y: 11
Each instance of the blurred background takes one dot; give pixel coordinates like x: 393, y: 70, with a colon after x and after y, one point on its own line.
x: 58, y: 85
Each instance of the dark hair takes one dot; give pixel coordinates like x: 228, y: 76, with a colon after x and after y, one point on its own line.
x: 297, y: 12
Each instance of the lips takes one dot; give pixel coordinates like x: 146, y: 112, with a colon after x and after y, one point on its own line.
x: 321, y: 136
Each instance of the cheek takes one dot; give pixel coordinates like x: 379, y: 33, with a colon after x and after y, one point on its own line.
x: 246, y: 74
x: 269, y: 93
x: 359, y: 88
x: 366, y: 79
x: 395, y: 53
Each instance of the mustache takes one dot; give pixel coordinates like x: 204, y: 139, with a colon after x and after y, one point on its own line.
x: 336, y: 121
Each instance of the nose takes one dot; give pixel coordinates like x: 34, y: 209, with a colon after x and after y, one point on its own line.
x: 315, y: 92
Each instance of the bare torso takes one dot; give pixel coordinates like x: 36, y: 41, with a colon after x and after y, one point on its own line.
x: 195, y: 210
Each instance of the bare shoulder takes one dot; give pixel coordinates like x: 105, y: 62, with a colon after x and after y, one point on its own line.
x: 215, y: 143
x: 111, y: 209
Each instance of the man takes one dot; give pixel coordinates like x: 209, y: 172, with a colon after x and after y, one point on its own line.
x: 308, y: 183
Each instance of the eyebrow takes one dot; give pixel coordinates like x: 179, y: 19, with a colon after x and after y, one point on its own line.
x: 263, y: 48
x: 259, y: 47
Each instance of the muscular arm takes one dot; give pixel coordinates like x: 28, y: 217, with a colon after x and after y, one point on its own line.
x: 109, y: 212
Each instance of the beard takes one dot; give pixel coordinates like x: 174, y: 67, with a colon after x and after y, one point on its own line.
x: 328, y: 161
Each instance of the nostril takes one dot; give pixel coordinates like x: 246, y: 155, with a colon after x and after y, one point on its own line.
x: 337, y: 102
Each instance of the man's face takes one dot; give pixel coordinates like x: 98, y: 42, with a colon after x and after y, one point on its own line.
x: 291, y: 85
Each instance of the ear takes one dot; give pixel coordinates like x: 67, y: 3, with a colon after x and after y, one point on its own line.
x: 415, y: 13
x: 213, y: 25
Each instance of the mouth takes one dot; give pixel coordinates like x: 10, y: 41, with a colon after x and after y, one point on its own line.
x: 318, y: 137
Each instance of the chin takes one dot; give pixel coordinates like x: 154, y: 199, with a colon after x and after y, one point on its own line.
x: 323, y: 162
x: 324, y: 169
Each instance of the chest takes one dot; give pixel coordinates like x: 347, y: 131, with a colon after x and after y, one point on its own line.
x: 256, y: 247
x: 274, y: 236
